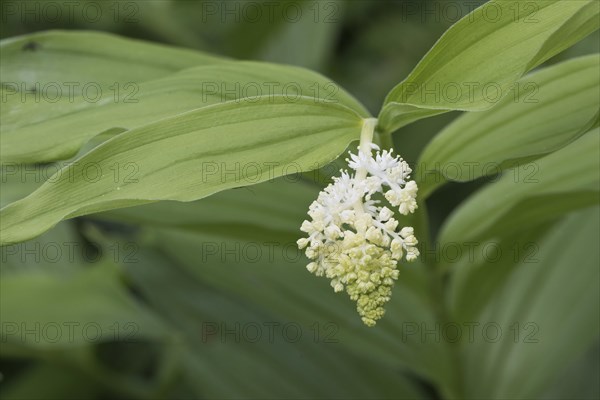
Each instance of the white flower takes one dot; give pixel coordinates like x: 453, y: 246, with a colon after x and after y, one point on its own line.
x: 353, y: 239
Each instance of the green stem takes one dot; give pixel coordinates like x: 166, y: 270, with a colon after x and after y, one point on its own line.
x: 366, y: 138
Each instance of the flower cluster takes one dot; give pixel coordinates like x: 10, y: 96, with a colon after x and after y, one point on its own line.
x: 353, y: 239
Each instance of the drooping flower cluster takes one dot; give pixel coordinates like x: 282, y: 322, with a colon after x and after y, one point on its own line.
x: 353, y: 239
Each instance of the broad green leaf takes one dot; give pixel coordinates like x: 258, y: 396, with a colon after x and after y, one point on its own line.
x: 547, y: 313
x: 557, y: 183
x: 188, y: 157
x: 478, y: 269
x: 46, y: 128
x: 19, y: 180
x: 478, y: 59
x: 277, y: 205
x: 89, y: 307
x: 548, y: 109
x: 41, y: 131
x: 55, y: 59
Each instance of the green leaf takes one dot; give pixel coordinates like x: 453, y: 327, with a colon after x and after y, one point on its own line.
x: 549, y: 109
x: 276, y: 205
x: 58, y: 57
x: 188, y: 157
x: 548, y: 316
x: 565, y: 180
x: 479, y: 268
x: 38, y: 129
x: 479, y: 58
x: 89, y: 307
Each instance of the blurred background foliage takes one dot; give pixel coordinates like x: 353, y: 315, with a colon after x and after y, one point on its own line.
x: 144, y: 272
